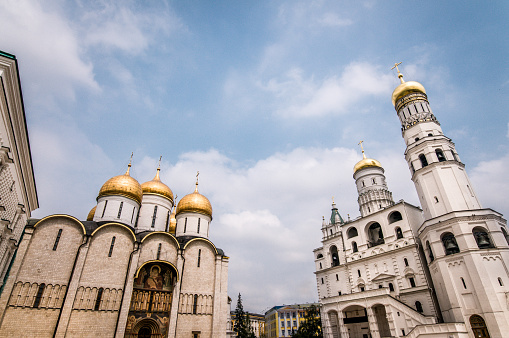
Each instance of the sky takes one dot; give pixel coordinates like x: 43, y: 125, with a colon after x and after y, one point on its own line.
x: 268, y: 100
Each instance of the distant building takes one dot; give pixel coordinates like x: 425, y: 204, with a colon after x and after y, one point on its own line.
x: 18, y: 196
x: 284, y: 320
x: 256, y: 321
x: 401, y: 271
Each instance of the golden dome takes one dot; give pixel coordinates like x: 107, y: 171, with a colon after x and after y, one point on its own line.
x: 91, y: 214
x: 173, y: 223
x: 195, y: 202
x: 365, y: 162
x: 405, y: 88
x: 156, y: 187
x: 123, y: 185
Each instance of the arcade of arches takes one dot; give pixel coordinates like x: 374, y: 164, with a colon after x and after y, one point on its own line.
x: 359, y: 322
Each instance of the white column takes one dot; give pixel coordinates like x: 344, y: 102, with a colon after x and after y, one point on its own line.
x: 128, y: 292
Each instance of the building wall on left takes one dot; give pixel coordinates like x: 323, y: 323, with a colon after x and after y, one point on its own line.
x: 18, y: 195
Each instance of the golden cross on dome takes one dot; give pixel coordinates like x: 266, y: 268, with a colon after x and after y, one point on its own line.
x: 159, y: 165
x: 399, y: 73
x: 129, y: 165
x: 362, y: 148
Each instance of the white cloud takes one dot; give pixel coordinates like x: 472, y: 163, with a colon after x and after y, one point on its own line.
x: 51, y: 59
x: 298, y: 97
x: 333, y: 20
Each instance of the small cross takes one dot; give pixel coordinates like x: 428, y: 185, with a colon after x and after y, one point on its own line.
x: 159, y: 165
x: 399, y: 73
x: 197, y: 174
x: 362, y: 148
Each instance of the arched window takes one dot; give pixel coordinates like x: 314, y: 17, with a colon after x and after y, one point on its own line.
x: 406, y: 261
x: 120, y: 209
x: 159, y: 251
x: 482, y: 238
x: 195, y: 304
x: 479, y: 326
x: 391, y: 287
x: 359, y: 272
x: 320, y: 265
x: 319, y: 256
x: 111, y: 246
x: 354, y: 247
x: 199, y: 219
x: 504, y: 231
x: 38, y: 297
x: 395, y: 216
x: 450, y: 245
x: 334, y: 256
x: 418, y: 307
x: 55, y: 245
x: 440, y: 155
x: 352, y: 232
x: 399, y: 233
x: 463, y: 282
x: 199, y: 257
x: 98, y: 299
x: 375, y: 235
x: 424, y: 161
x: 154, y: 216
x: 430, y: 253
x: 500, y: 281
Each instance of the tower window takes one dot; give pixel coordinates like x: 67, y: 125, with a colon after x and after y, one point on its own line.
x: 38, y: 297
x: 406, y: 261
x: 482, y: 238
x: 430, y: 253
x: 167, y: 221
x: 454, y: 156
x: 440, y: 155
x: 132, y: 216
x: 416, y: 139
x: 199, y: 219
x: 185, y: 224
x: 412, y: 168
x: 436, y: 199
x: 418, y: 307
x: 463, y: 282
x: 352, y: 232
x: 322, y: 280
x: 359, y: 273
x: 450, y: 245
x: 120, y: 209
x: 111, y: 246
x: 412, y: 281
x: 154, y: 217
x: 159, y: 251
x: 195, y: 304
x: 98, y: 299
x: 500, y: 281
x: 374, y: 180
x: 363, y: 185
x: 55, y: 245
x: 199, y: 257
x: 399, y: 233
x: 320, y: 265
x: 354, y: 247
x: 424, y: 161
x: 337, y: 277
x: 391, y: 287
x: 104, y: 209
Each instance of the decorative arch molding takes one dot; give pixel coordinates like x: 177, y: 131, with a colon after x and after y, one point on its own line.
x: 164, y: 233
x: 156, y: 261
x: 201, y: 239
x: 119, y: 225
x: 360, y: 281
x: 409, y: 272
x: 74, y: 219
x: 150, y: 323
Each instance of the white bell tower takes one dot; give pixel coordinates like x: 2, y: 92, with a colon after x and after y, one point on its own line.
x: 466, y: 247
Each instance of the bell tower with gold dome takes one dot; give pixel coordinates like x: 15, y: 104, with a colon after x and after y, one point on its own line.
x: 466, y: 247
x: 374, y: 194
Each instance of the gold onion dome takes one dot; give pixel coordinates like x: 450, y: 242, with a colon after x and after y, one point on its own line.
x: 406, y: 88
x: 123, y: 185
x: 156, y: 187
x: 365, y: 163
x: 91, y: 214
x: 195, y: 202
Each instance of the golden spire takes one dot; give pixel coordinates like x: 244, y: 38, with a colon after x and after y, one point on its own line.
x: 197, y: 174
x: 362, y: 148
x: 399, y: 73
x: 129, y: 165
x: 158, y: 170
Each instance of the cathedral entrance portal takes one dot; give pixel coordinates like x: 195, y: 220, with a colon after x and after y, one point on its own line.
x: 479, y: 327
x: 356, y: 321
x: 149, y: 312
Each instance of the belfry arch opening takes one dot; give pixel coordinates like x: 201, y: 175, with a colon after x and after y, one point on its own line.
x: 151, y: 298
x: 375, y: 235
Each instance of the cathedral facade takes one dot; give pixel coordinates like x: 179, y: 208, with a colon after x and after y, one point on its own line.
x: 139, y: 266
x: 399, y: 270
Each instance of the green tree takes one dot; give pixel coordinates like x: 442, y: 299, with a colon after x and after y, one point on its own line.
x: 312, y: 324
x: 242, y: 326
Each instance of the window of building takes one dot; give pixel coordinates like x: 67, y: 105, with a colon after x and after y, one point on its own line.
x: 375, y: 234
x: 167, y: 221
x: 334, y: 256
x: 479, y: 326
x: 454, y: 156
x: 38, y: 296
x: 412, y: 168
x: 337, y: 277
x: 319, y: 256
x: 500, y: 281
x: 111, y: 246
x: 374, y: 180
x: 159, y: 251
x: 440, y: 155
x: 395, y: 216
x: 424, y: 161
x: 504, y: 231
x: 418, y: 306
x: 322, y: 280
x: 354, y: 247
x: 406, y: 261
x: 463, y: 282
x: 98, y: 299
x: 482, y: 238
x: 359, y: 273
x: 105, y: 205
x: 363, y: 184
x: 399, y: 233
x: 403, y: 332
x: 380, y: 286
x: 195, y: 304
x: 198, y: 231
x: 154, y: 217
x: 199, y: 257
x: 436, y: 199
x: 362, y: 288
x: 430, y: 253
x: 57, y: 239
x: 450, y: 244
x: 132, y: 216
x: 120, y: 209
x: 352, y: 232
x: 412, y: 282
x: 185, y: 224
x: 320, y: 265
x: 391, y: 287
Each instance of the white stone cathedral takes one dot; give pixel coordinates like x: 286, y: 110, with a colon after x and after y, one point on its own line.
x: 402, y: 271
x: 134, y: 268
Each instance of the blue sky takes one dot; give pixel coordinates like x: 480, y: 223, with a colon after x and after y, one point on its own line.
x: 267, y: 99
